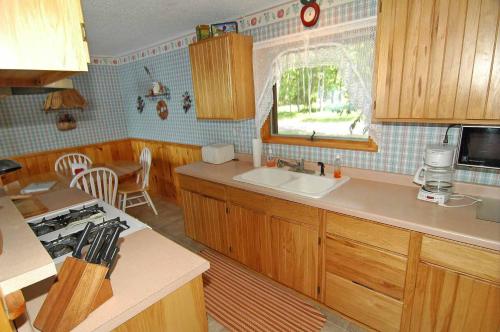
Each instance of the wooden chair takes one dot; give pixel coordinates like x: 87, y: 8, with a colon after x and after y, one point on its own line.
x: 63, y: 163
x: 135, y: 193
x: 100, y: 182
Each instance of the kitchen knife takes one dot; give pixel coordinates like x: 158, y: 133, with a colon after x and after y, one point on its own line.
x: 108, y: 248
x: 82, y: 240
x: 96, y: 246
x: 112, y: 261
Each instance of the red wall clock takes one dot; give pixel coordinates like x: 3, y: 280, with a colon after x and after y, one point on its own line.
x: 309, y: 14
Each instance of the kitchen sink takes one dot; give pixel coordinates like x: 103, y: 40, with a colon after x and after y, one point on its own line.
x: 312, y: 186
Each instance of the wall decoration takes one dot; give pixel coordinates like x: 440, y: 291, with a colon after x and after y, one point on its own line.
x: 186, y: 101
x: 162, y: 109
x: 64, y: 99
x: 309, y: 14
x: 157, y: 89
x: 203, y: 32
x: 219, y: 29
x: 65, y: 122
x: 140, y: 104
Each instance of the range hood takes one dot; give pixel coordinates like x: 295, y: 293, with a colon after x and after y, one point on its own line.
x: 36, y: 90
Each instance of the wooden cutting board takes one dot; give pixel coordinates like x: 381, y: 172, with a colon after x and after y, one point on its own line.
x: 30, y: 207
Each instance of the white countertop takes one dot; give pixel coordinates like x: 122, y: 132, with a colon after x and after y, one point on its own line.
x: 388, y: 203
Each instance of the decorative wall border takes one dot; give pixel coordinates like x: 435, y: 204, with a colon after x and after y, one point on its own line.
x: 268, y: 16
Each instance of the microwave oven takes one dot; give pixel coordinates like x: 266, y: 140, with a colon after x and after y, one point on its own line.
x: 479, y: 146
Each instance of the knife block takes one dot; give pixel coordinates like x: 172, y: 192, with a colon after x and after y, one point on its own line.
x: 80, y: 288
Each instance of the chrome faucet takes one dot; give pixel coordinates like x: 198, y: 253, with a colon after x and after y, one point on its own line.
x: 298, y: 166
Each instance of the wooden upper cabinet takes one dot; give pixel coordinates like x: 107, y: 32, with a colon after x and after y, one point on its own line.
x: 438, y: 61
x: 41, y: 41
x: 222, y: 72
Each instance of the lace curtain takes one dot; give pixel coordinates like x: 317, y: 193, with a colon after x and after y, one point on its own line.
x: 349, y: 47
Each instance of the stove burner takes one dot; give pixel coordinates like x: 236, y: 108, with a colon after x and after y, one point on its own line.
x: 44, y: 229
x: 60, y: 250
x: 61, y: 245
x: 73, y: 216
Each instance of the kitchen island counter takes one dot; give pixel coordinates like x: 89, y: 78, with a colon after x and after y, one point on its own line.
x: 149, y: 268
x: 384, y: 202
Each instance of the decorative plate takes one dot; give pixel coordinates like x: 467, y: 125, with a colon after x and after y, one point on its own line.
x: 162, y: 109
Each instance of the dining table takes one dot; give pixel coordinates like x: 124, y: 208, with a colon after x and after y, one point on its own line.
x: 124, y: 169
x: 32, y: 204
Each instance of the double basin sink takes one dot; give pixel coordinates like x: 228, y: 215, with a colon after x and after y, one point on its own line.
x: 312, y: 186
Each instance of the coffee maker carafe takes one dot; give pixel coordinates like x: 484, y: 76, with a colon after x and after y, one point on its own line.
x: 436, y: 175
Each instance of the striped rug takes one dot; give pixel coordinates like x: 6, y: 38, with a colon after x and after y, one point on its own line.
x: 242, y: 301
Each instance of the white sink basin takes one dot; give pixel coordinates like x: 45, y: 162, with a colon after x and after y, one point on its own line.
x: 297, y: 183
x: 266, y: 176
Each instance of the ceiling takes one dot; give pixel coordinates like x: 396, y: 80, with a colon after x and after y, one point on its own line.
x: 115, y: 27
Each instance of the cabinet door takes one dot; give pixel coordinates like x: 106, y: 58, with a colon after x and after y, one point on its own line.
x: 42, y: 35
x: 449, y: 301
x: 437, y: 61
x: 211, y: 71
x: 294, y: 255
x: 205, y: 220
x: 247, y: 234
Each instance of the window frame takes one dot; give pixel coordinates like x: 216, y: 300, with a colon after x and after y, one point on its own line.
x: 345, y: 144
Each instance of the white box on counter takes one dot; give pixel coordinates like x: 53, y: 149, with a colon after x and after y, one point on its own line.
x: 217, y: 153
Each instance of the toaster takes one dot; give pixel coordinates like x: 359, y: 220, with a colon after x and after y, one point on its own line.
x: 217, y: 153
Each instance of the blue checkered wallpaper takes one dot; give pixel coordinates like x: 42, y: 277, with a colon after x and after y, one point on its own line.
x: 26, y: 128
x: 401, y: 146
x: 112, y: 93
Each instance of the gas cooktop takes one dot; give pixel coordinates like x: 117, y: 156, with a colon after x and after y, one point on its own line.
x: 59, y: 231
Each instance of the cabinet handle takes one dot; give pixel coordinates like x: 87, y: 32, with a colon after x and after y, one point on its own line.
x: 84, y: 33
x: 359, y: 284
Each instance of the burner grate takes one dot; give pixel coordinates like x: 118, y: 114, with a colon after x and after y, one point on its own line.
x: 73, y: 217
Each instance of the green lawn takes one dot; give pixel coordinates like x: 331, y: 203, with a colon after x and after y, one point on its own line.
x: 325, y: 116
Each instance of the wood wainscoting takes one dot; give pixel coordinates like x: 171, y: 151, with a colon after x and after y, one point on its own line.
x: 166, y: 157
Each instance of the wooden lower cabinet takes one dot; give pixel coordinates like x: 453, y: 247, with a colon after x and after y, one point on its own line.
x: 294, y: 255
x: 384, y: 277
x: 247, y: 233
x: 373, y: 268
x: 284, y: 250
x: 371, y: 308
x: 182, y: 310
x: 449, y: 301
x: 205, y: 220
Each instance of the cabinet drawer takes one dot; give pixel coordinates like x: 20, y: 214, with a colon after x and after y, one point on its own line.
x: 381, y: 236
x: 294, y: 211
x: 275, y: 206
x: 378, y: 311
x: 468, y: 259
x: 247, y: 199
x: 376, y: 269
x: 202, y: 187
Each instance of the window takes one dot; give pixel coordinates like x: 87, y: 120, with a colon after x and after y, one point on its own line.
x: 321, y: 89
x: 314, y: 101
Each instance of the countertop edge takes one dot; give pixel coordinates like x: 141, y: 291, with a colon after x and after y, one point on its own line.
x: 28, y: 278
x: 487, y: 244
